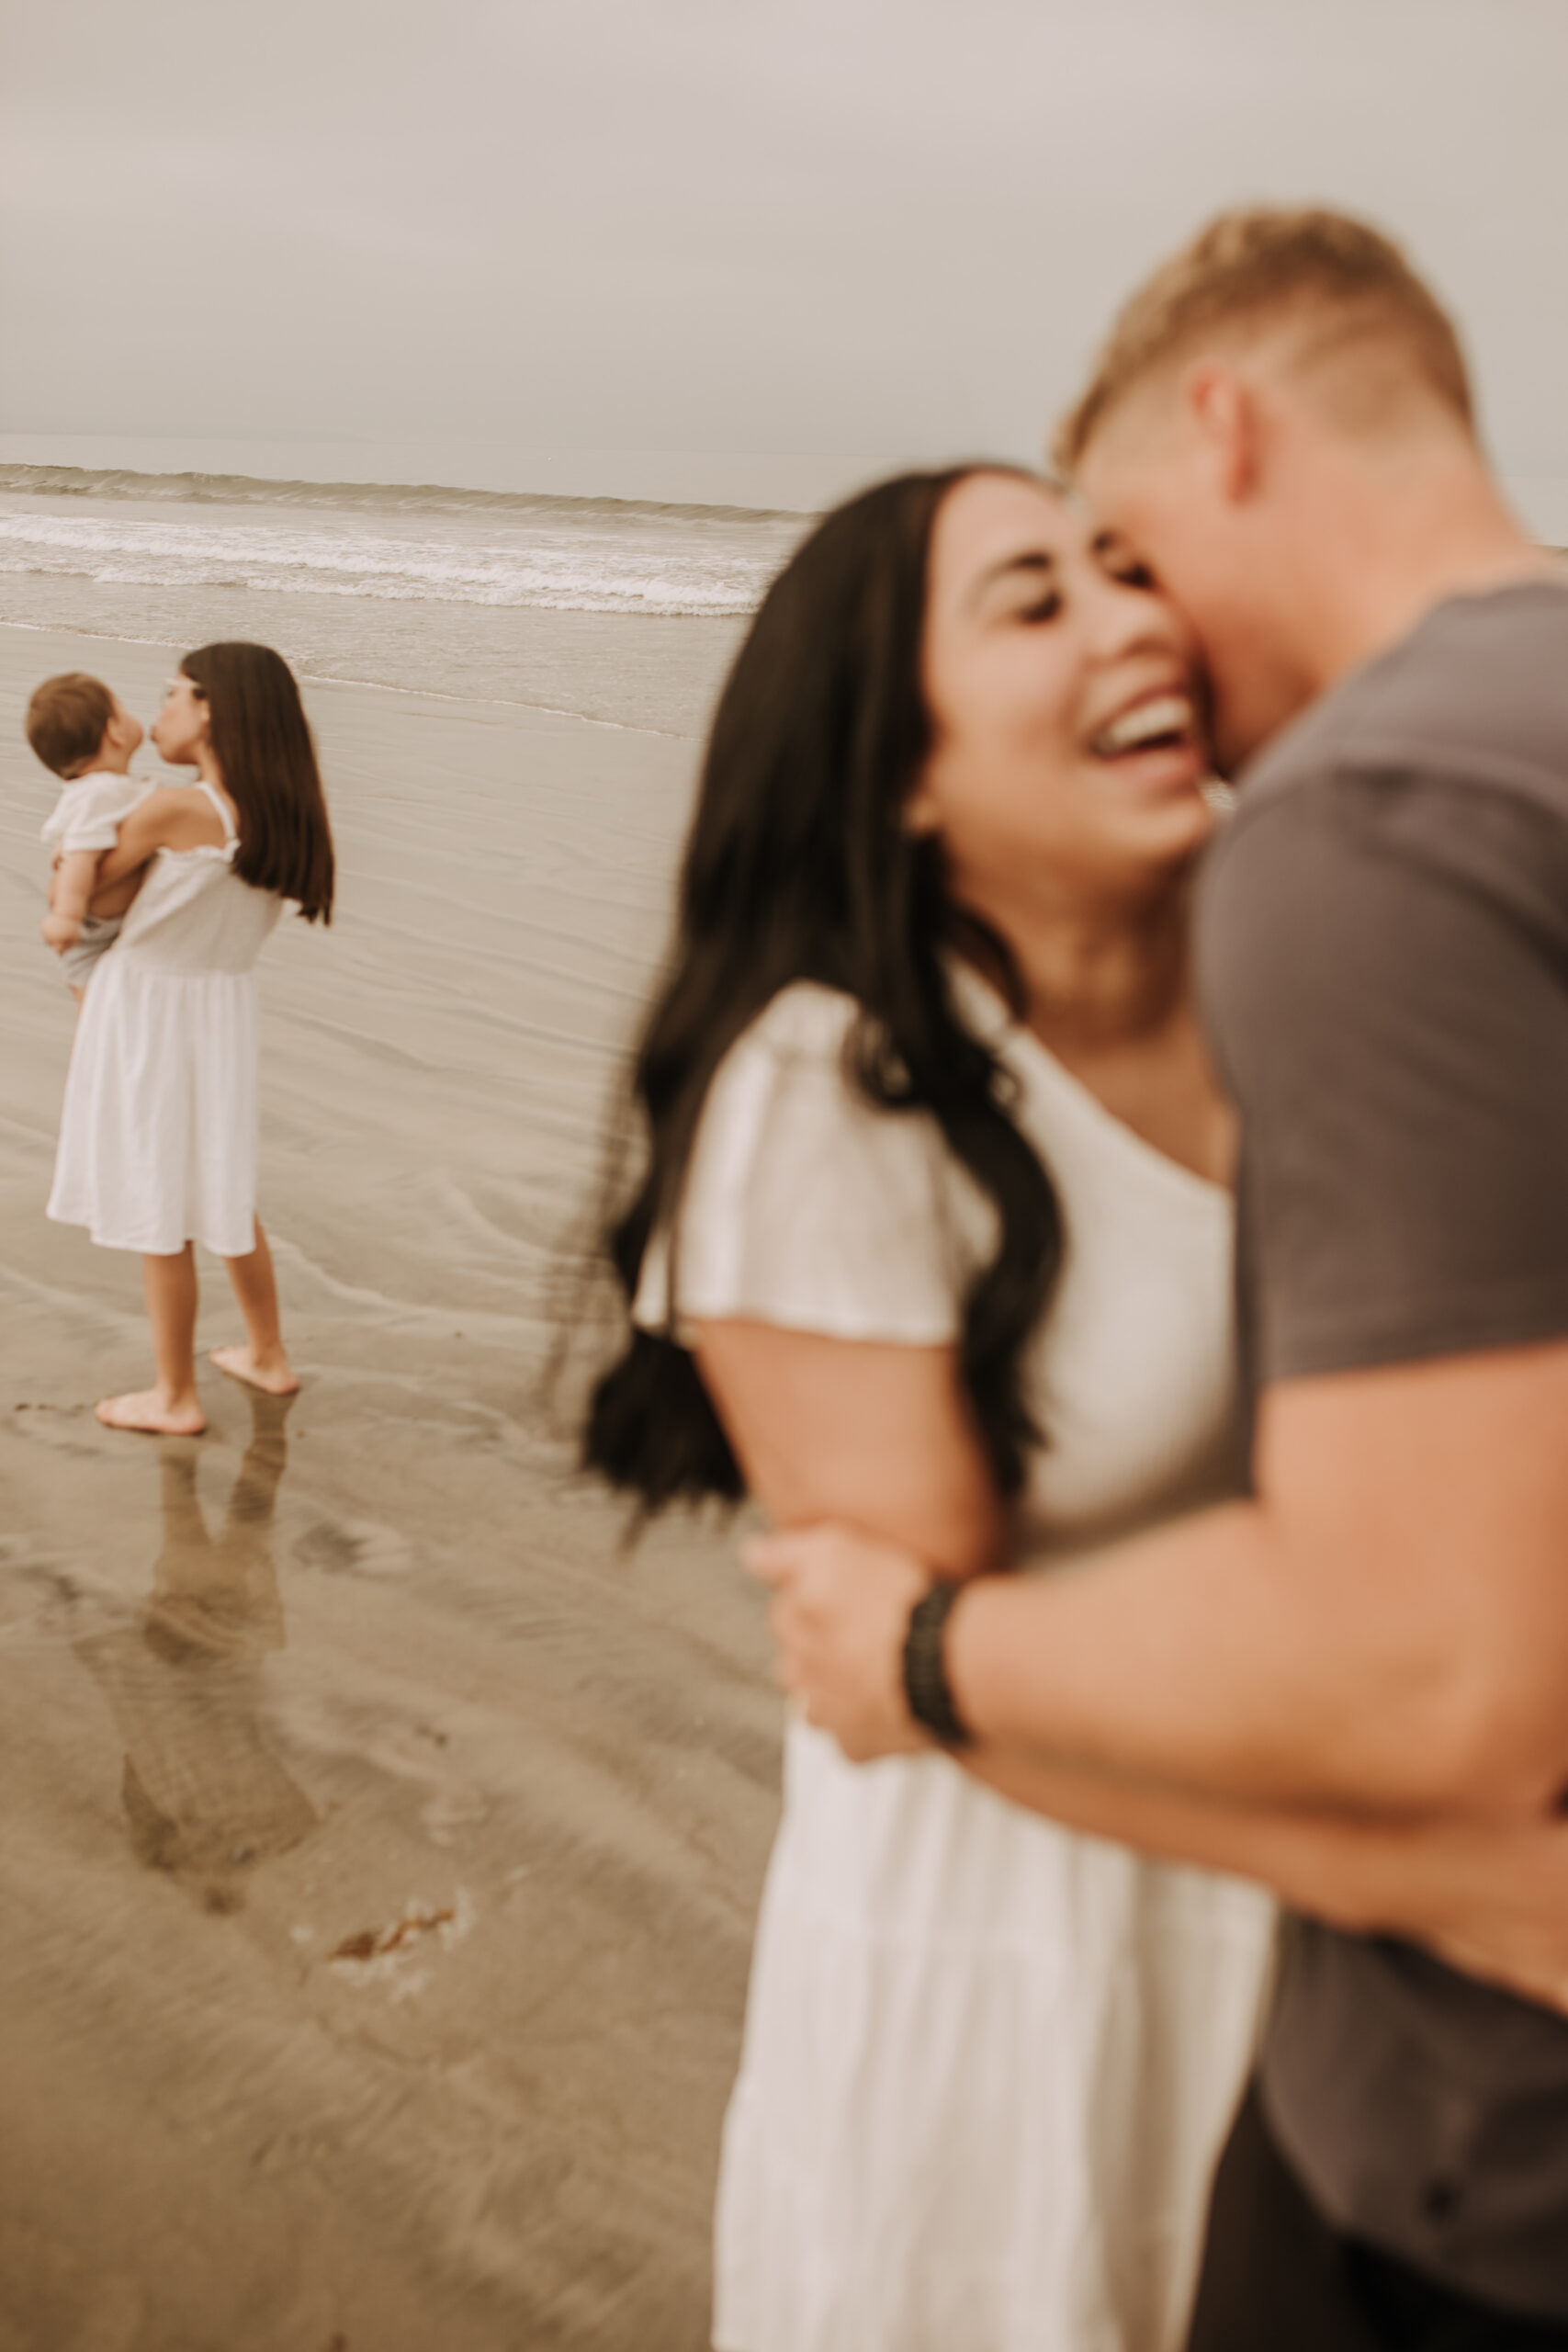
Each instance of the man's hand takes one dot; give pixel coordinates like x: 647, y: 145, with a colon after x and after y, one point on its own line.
x: 1504, y: 1917
x: 61, y: 931
x: 840, y: 1615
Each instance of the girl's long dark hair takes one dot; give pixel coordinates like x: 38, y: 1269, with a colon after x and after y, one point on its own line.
x: 799, y: 866
x: 262, y: 741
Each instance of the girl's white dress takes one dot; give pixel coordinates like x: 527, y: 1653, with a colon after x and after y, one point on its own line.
x: 158, y: 1135
x: 989, y: 2062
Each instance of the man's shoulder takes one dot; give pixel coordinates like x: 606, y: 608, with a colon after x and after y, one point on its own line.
x: 1476, y: 696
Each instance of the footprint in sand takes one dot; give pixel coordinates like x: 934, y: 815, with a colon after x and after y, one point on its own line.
x: 359, y: 1547
x: 64, y: 1429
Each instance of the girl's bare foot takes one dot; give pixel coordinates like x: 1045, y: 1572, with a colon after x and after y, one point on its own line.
x: 273, y: 1373
x: 153, y: 1411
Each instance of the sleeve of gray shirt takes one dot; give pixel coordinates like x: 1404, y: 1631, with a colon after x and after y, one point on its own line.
x: 1384, y: 962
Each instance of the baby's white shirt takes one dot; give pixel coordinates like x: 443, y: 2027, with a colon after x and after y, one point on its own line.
x: 91, y: 810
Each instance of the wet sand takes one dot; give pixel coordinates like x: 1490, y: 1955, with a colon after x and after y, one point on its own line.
x: 381, y: 1844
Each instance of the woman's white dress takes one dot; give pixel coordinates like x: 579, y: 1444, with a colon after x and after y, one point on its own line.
x: 158, y: 1134
x: 989, y: 2062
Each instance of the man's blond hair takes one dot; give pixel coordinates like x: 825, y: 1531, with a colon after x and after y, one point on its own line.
x: 1351, y: 290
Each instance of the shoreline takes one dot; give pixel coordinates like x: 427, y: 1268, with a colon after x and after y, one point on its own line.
x: 367, y: 686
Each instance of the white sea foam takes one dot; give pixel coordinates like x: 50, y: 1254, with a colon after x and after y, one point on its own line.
x: 652, y: 565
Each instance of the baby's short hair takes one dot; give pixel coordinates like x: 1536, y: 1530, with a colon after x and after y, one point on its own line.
x: 1349, y: 288
x: 67, y: 721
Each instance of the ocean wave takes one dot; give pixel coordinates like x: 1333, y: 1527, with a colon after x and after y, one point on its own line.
x: 607, y: 564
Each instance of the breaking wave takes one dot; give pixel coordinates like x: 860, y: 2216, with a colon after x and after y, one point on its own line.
x: 425, y: 544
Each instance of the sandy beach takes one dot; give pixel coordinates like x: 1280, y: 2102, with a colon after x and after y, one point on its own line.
x: 381, y: 1842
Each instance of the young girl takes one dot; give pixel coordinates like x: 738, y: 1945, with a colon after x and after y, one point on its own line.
x: 158, y: 1138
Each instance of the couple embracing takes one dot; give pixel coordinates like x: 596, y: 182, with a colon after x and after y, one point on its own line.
x: 936, y: 1253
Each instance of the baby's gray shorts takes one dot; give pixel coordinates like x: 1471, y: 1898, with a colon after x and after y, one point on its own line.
x: 97, y: 932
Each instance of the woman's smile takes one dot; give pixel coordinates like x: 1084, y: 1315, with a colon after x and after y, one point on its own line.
x: 1154, y: 741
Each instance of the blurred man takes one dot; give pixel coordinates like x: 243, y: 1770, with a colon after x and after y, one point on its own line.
x: 1282, y: 427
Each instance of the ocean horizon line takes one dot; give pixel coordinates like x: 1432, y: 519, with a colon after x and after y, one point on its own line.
x: 748, y: 481
x: 196, y: 486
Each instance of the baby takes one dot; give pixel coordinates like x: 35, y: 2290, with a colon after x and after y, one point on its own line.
x: 78, y: 729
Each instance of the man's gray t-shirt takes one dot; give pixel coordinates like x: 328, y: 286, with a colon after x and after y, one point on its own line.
x: 1384, y: 965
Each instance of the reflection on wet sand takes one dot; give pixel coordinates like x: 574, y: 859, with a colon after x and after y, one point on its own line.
x: 206, y: 1795
x: 418, y: 2028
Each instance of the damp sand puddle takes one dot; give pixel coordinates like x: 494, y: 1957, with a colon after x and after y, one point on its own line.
x: 381, y: 1843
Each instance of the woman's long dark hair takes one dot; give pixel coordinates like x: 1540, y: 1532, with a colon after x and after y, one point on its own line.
x: 799, y: 866
x: 262, y: 741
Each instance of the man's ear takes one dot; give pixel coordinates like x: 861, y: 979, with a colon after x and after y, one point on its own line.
x: 1222, y: 408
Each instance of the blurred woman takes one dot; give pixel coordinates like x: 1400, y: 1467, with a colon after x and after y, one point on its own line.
x: 933, y: 1240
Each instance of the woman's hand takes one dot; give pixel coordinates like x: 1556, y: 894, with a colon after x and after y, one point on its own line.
x: 61, y: 931
x: 839, y: 1616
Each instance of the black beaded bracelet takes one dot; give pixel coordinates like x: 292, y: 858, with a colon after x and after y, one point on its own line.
x: 925, y: 1676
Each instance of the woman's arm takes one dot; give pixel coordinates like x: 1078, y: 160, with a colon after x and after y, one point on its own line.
x: 172, y: 817
x: 880, y: 1436
x: 69, y: 888
x: 1488, y: 1892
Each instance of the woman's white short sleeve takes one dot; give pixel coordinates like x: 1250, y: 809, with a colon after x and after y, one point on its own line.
x: 808, y: 1206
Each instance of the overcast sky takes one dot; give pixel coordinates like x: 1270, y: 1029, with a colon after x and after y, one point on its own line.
x: 874, y: 228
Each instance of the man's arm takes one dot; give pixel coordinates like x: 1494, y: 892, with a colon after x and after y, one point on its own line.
x: 1384, y: 1628
x: 1488, y: 1890
x: 1387, y: 1624
x: 1489, y: 1894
